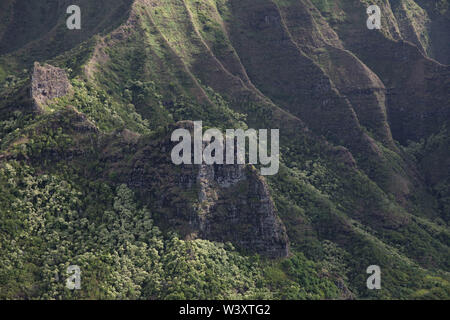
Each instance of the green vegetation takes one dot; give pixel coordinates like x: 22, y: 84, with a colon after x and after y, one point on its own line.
x: 51, y: 222
x: 101, y: 109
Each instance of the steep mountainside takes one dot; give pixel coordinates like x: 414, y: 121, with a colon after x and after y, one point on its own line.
x: 86, y: 118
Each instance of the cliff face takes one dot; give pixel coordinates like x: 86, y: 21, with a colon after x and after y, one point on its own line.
x: 235, y: 205
x: 226, y: 203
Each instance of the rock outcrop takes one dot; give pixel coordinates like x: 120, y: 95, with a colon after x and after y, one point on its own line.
x: 215, y: 202
x: 47, y: 83
x: 236, y: 206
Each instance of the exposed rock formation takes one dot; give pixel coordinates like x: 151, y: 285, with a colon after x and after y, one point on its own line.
x: 47, y: 83
x: 214, y: 202
x: 235, y: 205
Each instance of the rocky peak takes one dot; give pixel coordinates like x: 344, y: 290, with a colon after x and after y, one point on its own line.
x: 47, y: 83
